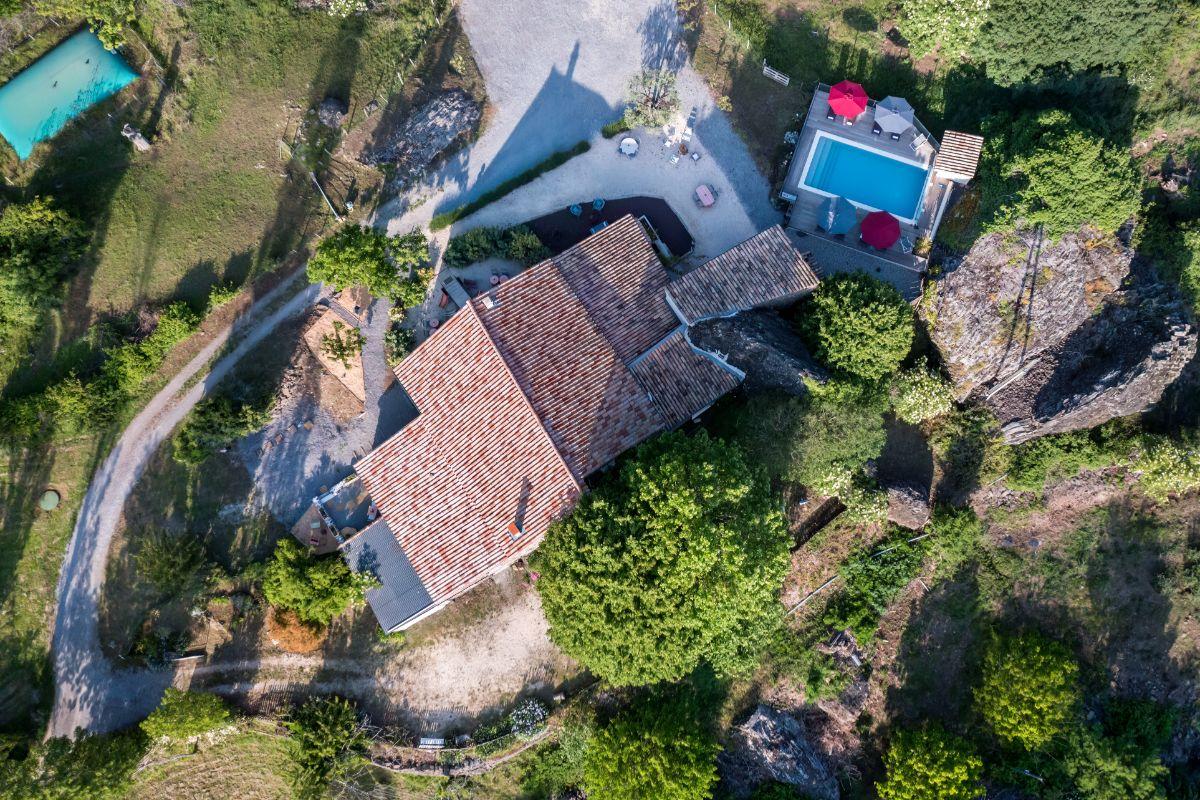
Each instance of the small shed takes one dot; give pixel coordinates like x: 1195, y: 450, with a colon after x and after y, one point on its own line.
x: 958, y: 158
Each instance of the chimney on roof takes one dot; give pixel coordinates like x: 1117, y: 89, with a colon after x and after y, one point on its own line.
x: 514, y: 531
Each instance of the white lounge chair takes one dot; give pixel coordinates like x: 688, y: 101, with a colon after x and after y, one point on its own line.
x: 918, y: 142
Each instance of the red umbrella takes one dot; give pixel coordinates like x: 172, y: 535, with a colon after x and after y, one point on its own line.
x: 847, y: 99
x: 880, y: 229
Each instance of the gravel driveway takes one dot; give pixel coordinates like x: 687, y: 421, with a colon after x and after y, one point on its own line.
x: 555, y: 73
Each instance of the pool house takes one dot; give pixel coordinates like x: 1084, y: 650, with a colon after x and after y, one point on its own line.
x: 868, y: 184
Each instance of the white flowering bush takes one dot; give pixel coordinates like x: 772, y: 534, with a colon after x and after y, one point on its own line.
x: 346, y: 8
x: 1170, y: 467
x: 528, y: 718
x: 949, y: 26
x: 920, y: 393
x: 865, y: 502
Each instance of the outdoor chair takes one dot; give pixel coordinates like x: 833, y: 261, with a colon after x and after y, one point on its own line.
x: 829, y: 113
x: 875, y: 129
x: 850, y: 120
x: 895, y: 137
x: 918, y: 142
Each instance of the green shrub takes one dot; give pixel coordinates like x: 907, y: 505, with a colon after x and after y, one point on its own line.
x: 39, y: 246
x: 183, y: 715
x: 448, y: 218
x: 525, y: 247
x: 325, y: 738
x: 554, y: 770
x: 872, y: 577
x: 661, y: 747
x: 1169, y: 466
x: 676, y: 560
x: 931, y: 764
x: 518, y: 243
x: 860, y: 327
x: 343, y: 344
x: 128, y: 366
x: 388, y: 267
x: 92, y: 766
x: 956, y: 537
x: 221, y: 294
x: 652, y: 98
x: 797, y: 658
x: 1174, y: 247
x: 216, y: 423
x: 1029, y: 692
x: 169, y: 561
x: 1053, y: 458
x: 1101, y: 768
x: 920, y: 393
x: 316, y: 588
x: 969, y: 450
x: 615, y: 128
x: 397, y: 343
x: 1044, y: 168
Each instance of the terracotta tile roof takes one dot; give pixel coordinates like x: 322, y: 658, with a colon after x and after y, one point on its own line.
x: 959, y: 154
x: 619, y: 279
x: 475, y: 460
x: 586, y: 398
x: 682, y: 379
x: 762, y: 270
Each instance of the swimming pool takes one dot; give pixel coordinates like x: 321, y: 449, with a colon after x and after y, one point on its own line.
x: 59, y: 86
x: 866, y: 177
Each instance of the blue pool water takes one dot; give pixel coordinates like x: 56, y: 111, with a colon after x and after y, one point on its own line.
x: 866, y: 177
x: 58, y: 87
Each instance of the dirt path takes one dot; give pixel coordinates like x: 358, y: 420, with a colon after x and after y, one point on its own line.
x: 89, y: 693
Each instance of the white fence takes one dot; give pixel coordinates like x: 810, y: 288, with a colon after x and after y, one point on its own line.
x: 775, y: 74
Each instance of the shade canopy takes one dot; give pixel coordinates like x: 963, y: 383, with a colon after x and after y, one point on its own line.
x: 880, y: 229
x: 847, y: 99
x: 894, y: 114
x: 837, y: 215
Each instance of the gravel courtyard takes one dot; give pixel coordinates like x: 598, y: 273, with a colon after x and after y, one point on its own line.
x: 562, y: 86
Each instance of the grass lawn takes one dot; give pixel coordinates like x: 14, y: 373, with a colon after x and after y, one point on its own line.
x: 247, y: 766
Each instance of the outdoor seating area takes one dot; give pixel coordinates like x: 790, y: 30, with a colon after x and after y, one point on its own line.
x: 865, y: 175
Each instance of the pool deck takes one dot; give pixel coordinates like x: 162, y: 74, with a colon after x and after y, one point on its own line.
x: 840, y: 251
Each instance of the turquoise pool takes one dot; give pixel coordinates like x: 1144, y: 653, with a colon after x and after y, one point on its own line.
x: 59, y: 86
x: 866, y: 177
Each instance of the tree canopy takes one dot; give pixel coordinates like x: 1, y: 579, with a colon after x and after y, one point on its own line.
x: 92, y: 766
x: 676, y: 560
x: 661, y: 747
x: 316, y: 588
x: 1024, y: 41
x: 860, y: 327
x: 931, y: 764
x: 106, y: 18
x: 1045, y: 168
x: 39, y: 244
x: 325, y: 736
x: 181, y: 715
x: 1029, y: 691
x: 388, y: 267
x: 653, y: 98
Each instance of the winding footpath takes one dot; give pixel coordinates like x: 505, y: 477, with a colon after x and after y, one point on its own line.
x: 89, y: 692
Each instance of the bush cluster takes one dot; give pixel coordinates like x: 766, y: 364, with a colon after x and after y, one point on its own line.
x: 518, y: 244
x: 217, y: 422
x: 316, y: 588
x: 872, y: 578
x: 859, y: 327
x: 921, y: 393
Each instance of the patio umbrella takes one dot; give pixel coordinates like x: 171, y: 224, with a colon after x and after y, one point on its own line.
x: 837, y: 215
x: 894, y: 114
x: 847, y: 99
x: 629, y: 146
x: 880, y: 230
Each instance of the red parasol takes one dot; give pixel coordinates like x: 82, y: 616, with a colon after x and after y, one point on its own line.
x: 847, y: 99
x: 880, y: 229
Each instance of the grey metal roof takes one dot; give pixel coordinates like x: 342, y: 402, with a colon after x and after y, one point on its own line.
x: 401, y: 595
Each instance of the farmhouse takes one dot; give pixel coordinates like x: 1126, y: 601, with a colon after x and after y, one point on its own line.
x: 534, y: 386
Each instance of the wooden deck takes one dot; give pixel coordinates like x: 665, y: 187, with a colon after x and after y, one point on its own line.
x: 806, y: 208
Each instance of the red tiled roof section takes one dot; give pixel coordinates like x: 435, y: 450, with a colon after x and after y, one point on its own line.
x: 762, y: 270
x: 620, y: 281
x: 475, y: 460
x: 587, y: 399
x: 682, y: 381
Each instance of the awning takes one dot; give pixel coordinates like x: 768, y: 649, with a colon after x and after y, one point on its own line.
x: 880, y: 230
x: 847, y: 99
x: 894, y: 114
x: 837, y: 215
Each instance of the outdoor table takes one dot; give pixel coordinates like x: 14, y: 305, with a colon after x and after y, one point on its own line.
x: 704, y: 195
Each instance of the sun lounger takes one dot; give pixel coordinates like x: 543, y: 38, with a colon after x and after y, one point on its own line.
x: 918, y: 142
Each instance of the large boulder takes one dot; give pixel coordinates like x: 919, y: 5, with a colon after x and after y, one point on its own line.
x: 763, y: 345
x: 908, y: 504
x: 1047, y: 338
x: 774, y: 746
x: 429, y: 133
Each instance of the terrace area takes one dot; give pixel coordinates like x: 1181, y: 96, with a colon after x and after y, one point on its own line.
x: 897, y: 263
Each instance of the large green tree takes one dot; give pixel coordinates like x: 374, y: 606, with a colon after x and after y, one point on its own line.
x: 326, y: 736
x: 661, y: 747
x: 107, y: 18
x: 39, y: 244
x: 1029, y: 692
x: 861, y: 327
x: 675, y: 561
x: 355, y: 255
x: 931, y: 764
x: 1045, y: 168
x: 92, y: 766
x: 316, y: 588
x: 1025, y: 41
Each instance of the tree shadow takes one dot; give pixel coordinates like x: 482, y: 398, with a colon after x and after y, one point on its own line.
x: 663, y: 46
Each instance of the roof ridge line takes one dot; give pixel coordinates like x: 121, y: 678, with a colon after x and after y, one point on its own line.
x: 524, y: 397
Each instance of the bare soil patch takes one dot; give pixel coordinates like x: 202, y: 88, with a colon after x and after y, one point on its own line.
x: 290, y: 634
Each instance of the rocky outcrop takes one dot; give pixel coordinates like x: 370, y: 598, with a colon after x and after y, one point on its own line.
x: 1047, y: 338
x: 908, y: 505
x: 428, y: 134
x: 763, y: 345
x: 774, y: 746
